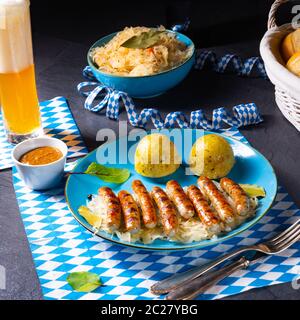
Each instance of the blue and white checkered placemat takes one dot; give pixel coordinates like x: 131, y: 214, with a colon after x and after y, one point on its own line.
x: 58, y: 122
x: 60, y: 245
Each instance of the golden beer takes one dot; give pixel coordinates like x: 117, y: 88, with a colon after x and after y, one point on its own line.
x: 18, y: 94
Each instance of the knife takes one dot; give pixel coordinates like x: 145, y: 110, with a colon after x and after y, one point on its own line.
x: 198, y: 286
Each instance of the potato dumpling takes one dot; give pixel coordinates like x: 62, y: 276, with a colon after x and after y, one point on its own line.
x: 156, y: 156
x: 211, y: 156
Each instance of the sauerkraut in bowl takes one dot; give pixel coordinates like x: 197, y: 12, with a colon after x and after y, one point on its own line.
x: 141, y: 51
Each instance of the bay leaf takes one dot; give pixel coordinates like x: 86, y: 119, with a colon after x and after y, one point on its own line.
x: 144, y: 40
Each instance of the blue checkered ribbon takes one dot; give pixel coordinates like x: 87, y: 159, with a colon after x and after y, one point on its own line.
x: 113, y: 100
x: 231, y: 62
x: 182, y: 27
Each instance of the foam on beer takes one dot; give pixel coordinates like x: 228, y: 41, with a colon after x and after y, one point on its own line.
x: 15, y: 36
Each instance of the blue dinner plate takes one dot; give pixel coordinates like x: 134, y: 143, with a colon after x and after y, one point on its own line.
x: 251, y: 167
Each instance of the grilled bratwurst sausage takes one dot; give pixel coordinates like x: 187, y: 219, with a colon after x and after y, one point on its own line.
x: 131, y: 212
x: 146, y: 204
x: 180, y: 199
x: 219, y: 202
x: 113, y: 206
x: 167, y: 211
x: 203, y: 209
x: 237, y: 194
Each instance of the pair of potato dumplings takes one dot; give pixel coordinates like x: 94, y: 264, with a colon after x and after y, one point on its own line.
x: 211, y: 156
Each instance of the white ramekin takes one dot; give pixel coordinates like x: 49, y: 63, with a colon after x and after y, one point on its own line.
x: 45, y: 176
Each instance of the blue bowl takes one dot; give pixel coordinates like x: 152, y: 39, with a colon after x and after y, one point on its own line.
x: 144, y: 86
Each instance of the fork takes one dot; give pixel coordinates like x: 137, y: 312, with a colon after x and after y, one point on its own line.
x: 201, y: 284
x: 272, y: 246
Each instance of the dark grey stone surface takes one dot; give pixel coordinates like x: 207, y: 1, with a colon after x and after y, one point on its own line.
x: 58, y: 66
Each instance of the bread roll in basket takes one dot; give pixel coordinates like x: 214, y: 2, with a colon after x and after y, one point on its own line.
x: 287, y: 85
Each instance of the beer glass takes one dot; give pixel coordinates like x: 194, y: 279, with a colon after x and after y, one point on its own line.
x: 18, y: 94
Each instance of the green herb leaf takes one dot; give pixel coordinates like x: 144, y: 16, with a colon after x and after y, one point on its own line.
x: 107, y: 174
x: 145, y: 40
x: 84, y: 281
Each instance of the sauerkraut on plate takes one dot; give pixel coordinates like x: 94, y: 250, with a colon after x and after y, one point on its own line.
x: 188, y: 231
x: 141, y: 51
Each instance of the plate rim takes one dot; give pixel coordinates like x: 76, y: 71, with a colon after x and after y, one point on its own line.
x: 184, y: 247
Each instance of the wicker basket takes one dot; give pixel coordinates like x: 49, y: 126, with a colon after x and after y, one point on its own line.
x: 287, y: 85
